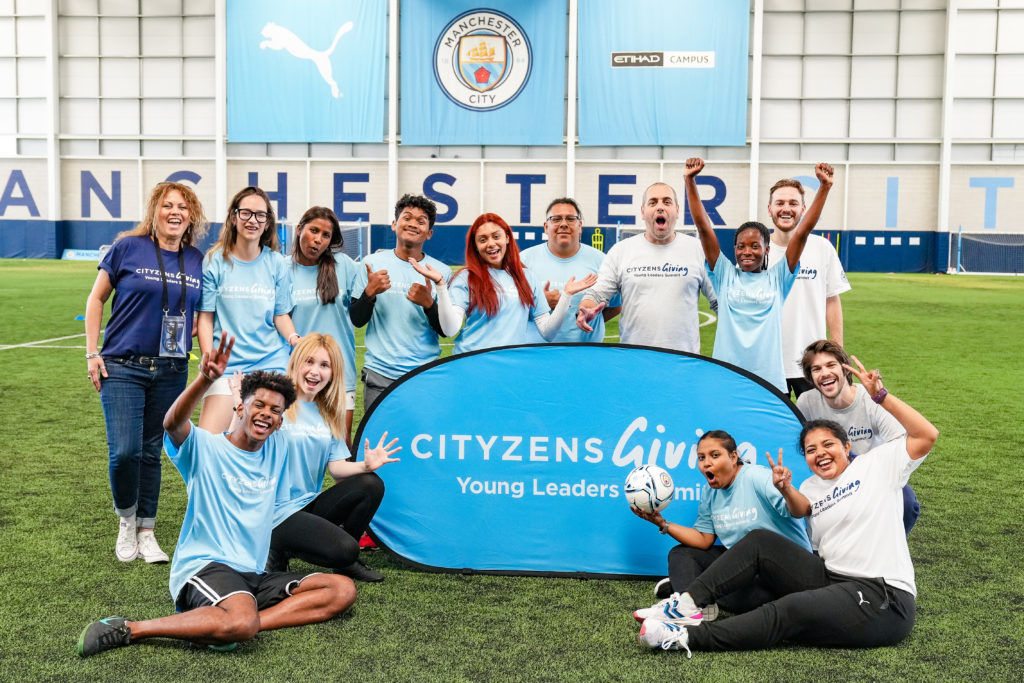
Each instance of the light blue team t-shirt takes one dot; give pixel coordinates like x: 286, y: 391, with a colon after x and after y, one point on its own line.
x: 310, y: 315
x: 399, y: 338
x: 749, y: 330
x: 510, y: 325
x: 751, y: 502
x: 231, y: 494
x: 546, y: 267
x: 244, y: 297
x: 310, y: 448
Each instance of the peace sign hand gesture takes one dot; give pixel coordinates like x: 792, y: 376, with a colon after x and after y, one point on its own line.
x: 782, y: 477
x: 870, y: 380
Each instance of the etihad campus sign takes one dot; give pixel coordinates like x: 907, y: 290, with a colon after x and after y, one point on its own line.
x: 482, y: 60
x: 514, y: 459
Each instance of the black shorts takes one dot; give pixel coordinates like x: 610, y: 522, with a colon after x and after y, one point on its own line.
x: 215, y: 582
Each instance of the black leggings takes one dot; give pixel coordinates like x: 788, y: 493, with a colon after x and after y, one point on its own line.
x: 326, y: 532
x: 814, y: 606
x: 686, y: 563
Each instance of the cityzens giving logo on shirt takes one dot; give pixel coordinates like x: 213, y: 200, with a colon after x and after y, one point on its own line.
x: 482, y: 60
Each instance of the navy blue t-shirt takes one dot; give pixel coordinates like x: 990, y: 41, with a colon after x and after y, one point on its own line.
x: 137, y: 309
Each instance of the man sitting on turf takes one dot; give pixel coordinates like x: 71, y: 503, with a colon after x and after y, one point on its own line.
x: 866, y: 423
x: 217, y: 578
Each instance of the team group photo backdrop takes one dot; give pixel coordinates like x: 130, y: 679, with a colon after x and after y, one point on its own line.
x: 511, y: 553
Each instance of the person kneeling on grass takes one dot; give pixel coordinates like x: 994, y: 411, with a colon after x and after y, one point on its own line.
x: 217, y: 578
x: 736, y: 500
x: 858, y: 590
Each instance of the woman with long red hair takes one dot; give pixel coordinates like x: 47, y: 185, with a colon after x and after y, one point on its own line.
x: 495, y: 295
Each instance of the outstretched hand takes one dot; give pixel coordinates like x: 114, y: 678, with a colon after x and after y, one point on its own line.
x: 824, y: 173
x: 871, y: 381
x: 782, y: 477
x: 694, y: 165
x: 572, y: 287
x: 585, y: 315
x: 214, y: 363
x: 375, y: 458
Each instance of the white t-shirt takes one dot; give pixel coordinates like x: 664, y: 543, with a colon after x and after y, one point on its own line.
x: 821, y: 275
x: 867, y: 424
x: 856, y: 521
x: 660, y: 285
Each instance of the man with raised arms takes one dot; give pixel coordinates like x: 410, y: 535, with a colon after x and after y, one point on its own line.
x: 836, y: 398
x: 398, y: 303
x: 217, y: 577
x: 813, y: 303
x: 563, y: 256
x: 660, y: 276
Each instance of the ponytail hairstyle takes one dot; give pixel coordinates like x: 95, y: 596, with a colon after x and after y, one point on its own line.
x: 482, y: 294
x: 326, y: 276
x: 331, y: 399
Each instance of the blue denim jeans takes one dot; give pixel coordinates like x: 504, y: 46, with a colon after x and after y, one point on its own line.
x: 136, y: 395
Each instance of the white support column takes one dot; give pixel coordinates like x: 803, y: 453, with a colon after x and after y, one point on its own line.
x: 392, y: 108
x: 946, y: 151
x: 757, y: 35
x: 220, y: 108
x: 570, y: 110
x: 53, y: 194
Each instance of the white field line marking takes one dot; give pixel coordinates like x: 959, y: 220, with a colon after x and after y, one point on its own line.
x: 709, y: 318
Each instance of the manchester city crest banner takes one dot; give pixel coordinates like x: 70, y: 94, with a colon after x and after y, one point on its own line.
x: 663, y: 72
x: 479, y: 75
x: 310, y: 71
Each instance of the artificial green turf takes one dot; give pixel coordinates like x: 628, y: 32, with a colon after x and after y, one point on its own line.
x: 951, y: 346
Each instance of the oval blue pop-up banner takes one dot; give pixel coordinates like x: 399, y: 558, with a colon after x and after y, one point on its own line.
x: 514, y: 459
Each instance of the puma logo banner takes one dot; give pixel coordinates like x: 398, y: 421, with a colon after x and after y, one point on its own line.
x: 309, y: 71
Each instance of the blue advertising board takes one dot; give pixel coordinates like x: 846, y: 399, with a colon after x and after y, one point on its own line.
x: 514, y: 458
x: 306, y: 71
x: 663, y: 72
x: 483, y: 75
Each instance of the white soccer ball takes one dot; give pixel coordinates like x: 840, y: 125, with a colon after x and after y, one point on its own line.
x: 649, y: 488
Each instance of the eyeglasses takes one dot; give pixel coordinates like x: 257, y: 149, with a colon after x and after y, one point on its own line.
x: 246, y: 214
x: 568, y: 220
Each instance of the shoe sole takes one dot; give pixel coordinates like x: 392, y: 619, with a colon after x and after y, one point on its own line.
x: 159, y: 559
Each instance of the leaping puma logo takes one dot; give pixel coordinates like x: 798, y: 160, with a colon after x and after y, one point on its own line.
x: 280, y: 38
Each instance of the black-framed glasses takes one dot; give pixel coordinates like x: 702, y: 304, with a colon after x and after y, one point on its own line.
x: 246, y: 214
x: 568, y: 220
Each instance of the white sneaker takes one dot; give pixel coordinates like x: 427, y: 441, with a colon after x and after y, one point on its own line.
x: 677, y: 608
x: 665, y: 635
x: 149, y: 549
x: 127, y: 548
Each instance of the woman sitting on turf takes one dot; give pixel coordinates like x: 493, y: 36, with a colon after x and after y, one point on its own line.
x: 750, y: 295
x: 494, y: 293
x: 324, y: 527
x: 736, y: 500
x: 858, y: 590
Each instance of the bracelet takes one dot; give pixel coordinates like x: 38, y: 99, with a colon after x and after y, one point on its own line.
x: 880, y: 396
x: 201, y: 372
x: 293, y: 334
x: 90, y: 356
x: 664, y: 528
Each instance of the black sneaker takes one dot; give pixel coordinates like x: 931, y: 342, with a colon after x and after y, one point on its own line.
x: 663, y: 589
x: 360, y: 572
x: 105, y: 634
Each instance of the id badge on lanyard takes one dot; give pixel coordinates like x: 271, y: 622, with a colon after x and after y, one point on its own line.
x: 173, y: 329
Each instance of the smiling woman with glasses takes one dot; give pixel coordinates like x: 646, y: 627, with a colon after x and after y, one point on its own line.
x: 246, y: 293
